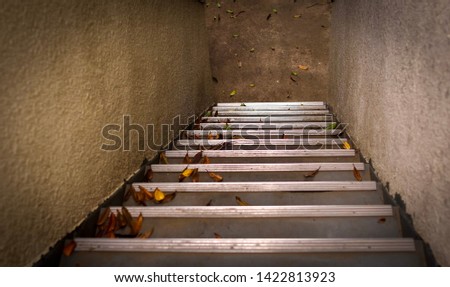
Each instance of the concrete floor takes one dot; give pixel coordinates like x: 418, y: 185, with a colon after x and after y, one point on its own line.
x: 297, y: 34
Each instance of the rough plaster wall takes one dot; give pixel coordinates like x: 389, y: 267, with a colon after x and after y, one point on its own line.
x: 67, y: 68
x: 390, y: 79
x: 295, y: 41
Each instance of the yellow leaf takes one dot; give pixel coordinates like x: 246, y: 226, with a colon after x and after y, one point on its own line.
x: 185, y: 173
x: 297, y: 16
x: 215, y: 176
x: 303, y: 67
x: 233, y: 92
x: 158, y: 195
x: 347, y: 145
x: 252, y: 85
x: 241, y: 202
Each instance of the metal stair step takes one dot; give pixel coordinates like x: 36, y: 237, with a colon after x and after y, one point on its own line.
x: 261, y: 133
x: 264, y: 119
x: 271, y: 113
x: 245, y: 252
x: 268, y: 104
x: 263, y: 142
x: 270, y: 108
x: 269, y: 186
x: 271, y: 125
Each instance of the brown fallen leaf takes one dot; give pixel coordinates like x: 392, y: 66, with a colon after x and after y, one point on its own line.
x: 312, y: 174
x: 147, y: 194
x: 206, y: 160
x: 69, y: 248
x: 146, y: 234
x: 163, y: 158
x: 122, y: 222
x: 356, y: 174
x: 195, y: 175
x: 215, y: 177
x: 104, y: 216
x: 169, y: 197
x: 112, y: 223
x: 197, y: 157
x: 149, y: 174
x: 136, y: 225
x: 217, y: 235
x: 241, y: 202
x: 129, y: 193
x: 187, y: 159
x: 127, y: 215
x: 110, y: 234
x: 382, y: 220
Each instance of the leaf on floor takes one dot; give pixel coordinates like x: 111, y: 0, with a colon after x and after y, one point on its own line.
x: 215, y: 177
x: 148, y: 195
x: 158, y: 195
x: 303, y: 67
x: 235, y: 36
x: 127, y: 215
x: 129, y: 192
x: 121, y: 221
x: 312, y: 174
x: 227, y: 127
x: 169, y: 197
x: 219, y: 5
x: 346, y: 145
x: 242, y: 104
x: 187, y: 159
x: 69, y: 248
x: 136, y: 225
x: 356, y: 173
x: 163, y: 158
x: 217, y: 235
x: 206, y: 160
x: 208, y: 113
x: 184, y: 174
x: 111, y: 223
x: 146, y: 234
x: 241, y: 202
x: 149, y: 174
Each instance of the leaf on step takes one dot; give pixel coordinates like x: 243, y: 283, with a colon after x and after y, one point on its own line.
x: 209, y: 202
x: 206, y: 160
x: 382, y: 220
x: 146, y: 234
x: 303, y: 67
x: 121, y: 221
x: 184, y: 174
x: 346, y: 145
x: 198, y: 156
x: 129, y: 193
x: 215, y: 177
x: 294, y: 73
x: 195, y: 175
x: 357, y: 174
x: 233, y: 93
x: 268, y: 16
x: 104, y: 216
x: 241, y: 202
x: 215, y: 80
x: 297, y: 16
x: 217, y: 235
x: 69, y: 248
x: 292, y: 79
x: 158, y: 195
x: 186, y: 159
x: 163, y: 158
x: 331, y: 126
x: 169, y: 197
x: 148, y: 195
x: 312, y: 174
x: 136, y: 225
x: 112, y: 223
x: 127, y: 215
x: 149, y: 174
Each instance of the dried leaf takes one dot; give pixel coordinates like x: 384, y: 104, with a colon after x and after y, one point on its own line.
x: 356, y: 173
x: 69, y: 248
x: 146, y: 234
x: 297, y: 16
x: 111, y: 223
x: 186, y: 159
x: 219, y: 5
x: 169, y: 197
x: 185, y: 173
x: 195, y: 175
x: 197, y: 157
x: 158, y: 195
x: 215, y: 177
x: 252, y: 85
x: 122, y: 222
x: 149, y: 174
x: 274, y: 10
x: 292, y: 79
x: 294, y: 73
x: 217, y: 235
x: 206, y: 160
x: 252, y: 50
x: 233, y: 93
x: 163, y: 158
x: 136, y: 225
x: 241, y: 202
x: 129, y: 193
x: 312, y: 174
x: 382, y: 220
x: 148, y: 195
x: 346, y: 145
x: 110, y: 234
x: 268, y: 16
x: 331, y: 126
x: 104, y: 216
x: 230, y: 11
x: 127, y: 215
x: 303, y: 67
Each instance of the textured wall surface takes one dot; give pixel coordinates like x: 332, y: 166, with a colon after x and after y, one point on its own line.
x: 390, y: 79
x: 281, y: 43
x: 67, y: 68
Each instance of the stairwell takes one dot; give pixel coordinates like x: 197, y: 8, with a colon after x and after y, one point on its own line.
x: 253, y: 184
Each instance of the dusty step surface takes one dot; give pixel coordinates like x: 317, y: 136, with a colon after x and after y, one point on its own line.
x: 245, y: 252
x: 273, y: 119
x: 249, y: 133
x: 269, y: 125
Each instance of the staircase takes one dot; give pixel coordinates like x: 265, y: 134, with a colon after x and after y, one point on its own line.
x: 294, y: 193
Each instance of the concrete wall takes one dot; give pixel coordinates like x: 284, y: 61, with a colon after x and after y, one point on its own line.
x: 67, y: 68
x: 390, y: 79
x: 281, y: 44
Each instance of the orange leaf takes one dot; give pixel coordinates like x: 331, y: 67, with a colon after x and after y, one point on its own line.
x: 69, y: 248
x: 356, y: 174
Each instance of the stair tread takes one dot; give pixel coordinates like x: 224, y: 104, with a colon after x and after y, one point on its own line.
x: 263, y: 142
x: 264, y: 153
x: 265, y: 104
x: 272, y: 125
x: 257, y: 119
